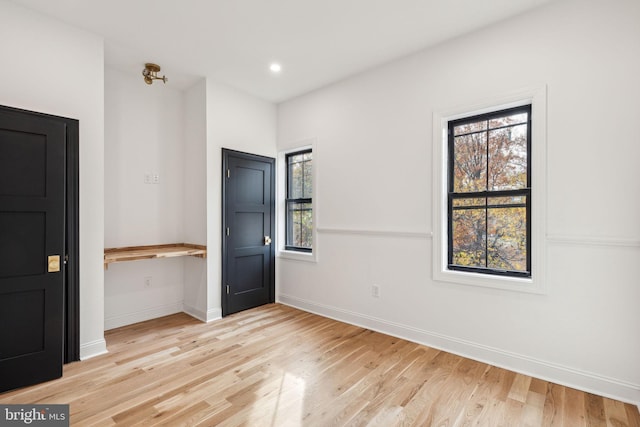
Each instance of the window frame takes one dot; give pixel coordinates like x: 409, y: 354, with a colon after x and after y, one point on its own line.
x: 288, y: 201
x: 282, y: 253
x: 486, y: 194
x: 441, y: 274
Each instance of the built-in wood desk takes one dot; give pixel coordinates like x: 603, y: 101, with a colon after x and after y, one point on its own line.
x: 133, y: 253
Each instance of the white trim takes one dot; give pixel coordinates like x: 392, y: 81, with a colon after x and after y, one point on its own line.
x: 209, y: 316
x: 214, y: 314
x: 297, y: 256
x: 281, y: 182
x: 587, y: 381
x: 377, y: 233
x: 537, y: 97
x: 142, y: 315
x: 593, y: 241
x: 93, y: 349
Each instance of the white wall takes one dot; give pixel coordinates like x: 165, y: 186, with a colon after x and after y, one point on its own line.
x: 144, y: 134
x: 195, y: 197
x: 180, y: 135
x: 56, y: 69
x: 239, y: 122
x: 374, y: 147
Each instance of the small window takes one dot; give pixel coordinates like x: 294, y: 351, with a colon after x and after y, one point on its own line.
x: 299, y: 202
x: 489, y: 193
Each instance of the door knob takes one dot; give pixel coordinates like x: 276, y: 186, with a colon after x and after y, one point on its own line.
x: 53, y: 263
x: 267, y: 240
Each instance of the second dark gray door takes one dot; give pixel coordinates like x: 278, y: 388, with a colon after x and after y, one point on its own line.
x: 248, y: 255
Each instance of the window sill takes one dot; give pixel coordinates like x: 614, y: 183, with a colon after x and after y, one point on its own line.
x: 517, y: 284
x: 297, y: 256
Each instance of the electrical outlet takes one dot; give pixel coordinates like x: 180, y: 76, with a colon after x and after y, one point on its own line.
x: 148, y: 282
x: 375, y: 291
x: 155, y: 178
x: 147, y: 178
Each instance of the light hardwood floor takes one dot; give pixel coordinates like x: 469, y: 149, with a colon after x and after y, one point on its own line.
x: 278, y: 366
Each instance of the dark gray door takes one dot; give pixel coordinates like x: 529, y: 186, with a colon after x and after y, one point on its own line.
x: 32, y: 248
x: 248, y: 256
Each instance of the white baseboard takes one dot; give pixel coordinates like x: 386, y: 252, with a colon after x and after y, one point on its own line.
x: 209, y: 316
x: 93, y: 349
x: 214, y: 314
x: 563, y: 375
x: 142, y: 315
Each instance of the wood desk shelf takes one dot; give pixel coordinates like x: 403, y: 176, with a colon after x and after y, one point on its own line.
x: 133, y: 253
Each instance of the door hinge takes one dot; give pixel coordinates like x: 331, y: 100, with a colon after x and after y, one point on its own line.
x: 227, y: 231
x: 228, y: 173
x: 227, y: 289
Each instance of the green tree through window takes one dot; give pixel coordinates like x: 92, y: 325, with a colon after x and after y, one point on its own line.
x: 299, y: 217
x: 489, y: 195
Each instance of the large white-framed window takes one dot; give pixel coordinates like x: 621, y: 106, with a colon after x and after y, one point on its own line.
x: 297, y: 202
x: 469, y: 204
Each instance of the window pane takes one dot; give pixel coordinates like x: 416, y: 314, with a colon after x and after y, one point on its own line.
x: 469, y: 201
x: 508, y: 120
x: 470, y: 127
x: 507, y: 201
x: 469, y: 237
x: 507, y: 239
x: 300, y: 176
x: 306, y: 178
x: 470, y: 157
x: 508, y: 158
x: 299, y: 225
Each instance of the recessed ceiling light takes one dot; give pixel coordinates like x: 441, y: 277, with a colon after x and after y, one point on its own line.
x: 275, y: 67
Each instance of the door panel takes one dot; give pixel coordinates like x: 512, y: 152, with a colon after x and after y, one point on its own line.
x: 25, y: 308
x: 21, y: 154
x: 252, y: 231
x: 249, y: 273
x: 248, y: 270
x: 32, y: 227
x: 24, y: 257
x: 250, y: 179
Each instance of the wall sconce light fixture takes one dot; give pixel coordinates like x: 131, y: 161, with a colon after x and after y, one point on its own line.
x: 150, y: 73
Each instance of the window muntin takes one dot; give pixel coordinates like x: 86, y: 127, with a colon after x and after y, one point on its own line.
x: 489, y: 193
x: 299, y: 201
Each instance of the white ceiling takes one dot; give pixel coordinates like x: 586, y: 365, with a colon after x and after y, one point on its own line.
x: 234, y: 41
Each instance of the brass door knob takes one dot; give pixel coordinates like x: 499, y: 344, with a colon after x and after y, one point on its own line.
x: 53, y: 263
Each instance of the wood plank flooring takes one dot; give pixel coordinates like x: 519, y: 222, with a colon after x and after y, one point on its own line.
x: 278, y: 366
